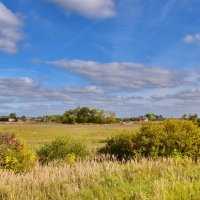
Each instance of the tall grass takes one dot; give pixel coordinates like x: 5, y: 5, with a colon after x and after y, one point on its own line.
x: 93, y: 179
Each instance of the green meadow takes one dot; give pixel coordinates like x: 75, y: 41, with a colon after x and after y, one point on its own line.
x: 36, y: 134
x: 96, y: 177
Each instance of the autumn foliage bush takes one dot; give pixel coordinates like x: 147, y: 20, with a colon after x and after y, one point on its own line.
x: 164, y: 139
x: 14, y: 154
x: 61, y: 149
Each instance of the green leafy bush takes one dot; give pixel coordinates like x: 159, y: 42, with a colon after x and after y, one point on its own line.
x: 122, y: 146
x: 164, y: 139
x: 14, y: 155
x: 60, y: 149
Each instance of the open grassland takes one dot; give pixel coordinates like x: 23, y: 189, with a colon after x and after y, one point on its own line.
x: 167, y: 179
x: 96, y: 178
x: 36, y: 134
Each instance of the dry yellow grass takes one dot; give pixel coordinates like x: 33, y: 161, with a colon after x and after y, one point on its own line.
x: 88, y: 180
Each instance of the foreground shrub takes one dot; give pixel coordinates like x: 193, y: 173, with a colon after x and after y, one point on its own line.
x: 14, y: 155
x: 165, y: 139
x: 61, y: 149
x: 122, y: 146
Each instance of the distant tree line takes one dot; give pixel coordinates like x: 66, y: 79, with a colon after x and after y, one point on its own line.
x: 192, y: 117
x: 150, y: 116
x: 83, y: 115
x: 154, y: 117
x: 96, y: 116
x: 128, y: 119
x: 53, y: 118
x: 87, y: 115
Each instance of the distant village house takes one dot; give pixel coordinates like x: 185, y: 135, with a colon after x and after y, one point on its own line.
x: 6, y: 119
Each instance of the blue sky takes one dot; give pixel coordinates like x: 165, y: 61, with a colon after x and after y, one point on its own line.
x: 130, y: 56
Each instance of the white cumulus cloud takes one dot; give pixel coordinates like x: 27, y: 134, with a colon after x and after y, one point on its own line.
x: 10, y: 33
x: 124, y: 76
x: 89, y: 8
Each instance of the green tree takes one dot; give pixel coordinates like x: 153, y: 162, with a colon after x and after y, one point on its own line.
x: 184, y: 116
x: 83, y: 115
x: 23, y: 118
x: 193, y: 118
x: 69, y: 117
x: 153, y: 117
x: 87, y: 115
x: 13, y: 116
x: 110, y: 117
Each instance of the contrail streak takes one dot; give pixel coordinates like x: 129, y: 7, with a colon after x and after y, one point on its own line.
x: 71, y: 41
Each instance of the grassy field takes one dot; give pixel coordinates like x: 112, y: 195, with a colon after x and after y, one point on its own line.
x: 36, y: 134
x: 96, y: 178
x: 105, y: 180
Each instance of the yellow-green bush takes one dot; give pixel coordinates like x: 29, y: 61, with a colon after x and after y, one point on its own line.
x: 70, y: 158
x: 14, y: 155
x: 164, y: 139
x: 61, y: 149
